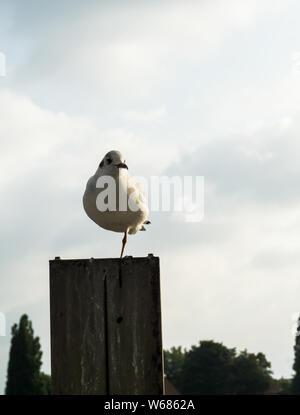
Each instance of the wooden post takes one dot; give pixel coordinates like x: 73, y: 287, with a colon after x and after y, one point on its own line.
x: 106, y: 326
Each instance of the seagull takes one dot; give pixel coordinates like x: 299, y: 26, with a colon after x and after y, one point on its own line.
x: 114, y: 200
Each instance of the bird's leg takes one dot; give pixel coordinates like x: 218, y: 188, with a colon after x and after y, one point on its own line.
x: 124, y: 240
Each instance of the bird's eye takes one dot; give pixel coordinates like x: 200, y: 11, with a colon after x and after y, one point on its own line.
x: 109, y: 160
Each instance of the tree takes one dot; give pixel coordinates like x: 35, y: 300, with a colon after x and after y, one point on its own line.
x: 251, y: 373
x: 296, y: 379
x: 212, y: 368
x: 281, y: 386
x: 46, y: 382
x: 173, y: 365
x: 207, y: 369
x: 23, y: 374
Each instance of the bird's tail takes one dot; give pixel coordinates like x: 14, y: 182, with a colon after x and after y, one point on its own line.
x: 147, y: 222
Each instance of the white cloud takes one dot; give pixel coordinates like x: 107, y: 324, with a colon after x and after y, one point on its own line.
x: 150, y: 115
x: 32, y: 136
x: 64, y: 147
x: 132, y: 49
x: 246, y: 111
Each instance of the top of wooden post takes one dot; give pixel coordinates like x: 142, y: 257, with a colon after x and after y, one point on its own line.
x: 126, y: 258
x: 106, y: 326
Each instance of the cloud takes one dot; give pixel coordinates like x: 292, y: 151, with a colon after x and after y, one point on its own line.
x: 127, y: 50
x: 150, y: 115
x: 257, y: 168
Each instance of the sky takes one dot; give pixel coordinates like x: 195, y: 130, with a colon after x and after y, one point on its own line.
x: 201, y: 88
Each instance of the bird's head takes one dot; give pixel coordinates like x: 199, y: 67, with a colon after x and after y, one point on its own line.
x: 112, y: 162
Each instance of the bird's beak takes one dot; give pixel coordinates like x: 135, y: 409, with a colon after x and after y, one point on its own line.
x: 121, y: 166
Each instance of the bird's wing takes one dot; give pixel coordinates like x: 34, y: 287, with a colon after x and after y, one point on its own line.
x: 137, y: 191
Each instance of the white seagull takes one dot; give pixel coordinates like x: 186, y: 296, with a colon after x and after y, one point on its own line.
x: 114, y: 200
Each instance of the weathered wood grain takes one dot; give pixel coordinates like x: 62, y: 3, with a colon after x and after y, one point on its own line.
x: 106, y: 326
x: 134, y: 328
x: 78, y: 343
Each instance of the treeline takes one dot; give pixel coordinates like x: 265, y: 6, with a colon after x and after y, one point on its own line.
x: 212, y: 368
x: 208, y: 368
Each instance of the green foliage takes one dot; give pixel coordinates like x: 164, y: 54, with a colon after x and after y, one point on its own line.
x: 296, y: 379
x: 23, y: 374
x: 281, y: 386
x: 251, y: 373
x: 212, y: 368
x: 207, y: 369
x: 46, y: 382
x: 173, y: 365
